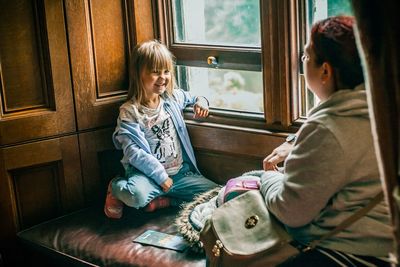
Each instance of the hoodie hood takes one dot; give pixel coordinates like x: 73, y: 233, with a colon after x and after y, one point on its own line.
x: 343, y: 103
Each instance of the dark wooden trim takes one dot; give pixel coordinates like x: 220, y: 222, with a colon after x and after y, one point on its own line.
x: 298, y: 35
x: 161, y: 13
x: 275, y: 27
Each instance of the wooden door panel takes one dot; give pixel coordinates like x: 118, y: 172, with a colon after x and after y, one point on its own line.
x: 100, y: 36
x: 39, y: 181
x: 37, y: 193
x: 36, y: 97
x: 100, y: 163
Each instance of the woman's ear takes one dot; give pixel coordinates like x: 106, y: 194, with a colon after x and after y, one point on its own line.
x: 326, y: 72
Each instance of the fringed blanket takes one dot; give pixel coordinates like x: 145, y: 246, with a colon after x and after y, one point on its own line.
x: 193, y: 215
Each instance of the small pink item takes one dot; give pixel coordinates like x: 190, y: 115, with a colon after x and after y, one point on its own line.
x: 240, y: 185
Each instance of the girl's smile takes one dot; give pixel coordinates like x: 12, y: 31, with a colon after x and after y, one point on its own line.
x: 155, y: 81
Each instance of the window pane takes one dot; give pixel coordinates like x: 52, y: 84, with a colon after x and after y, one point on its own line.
x: 225, y: 89
x: 321, y: 9
x: 230, y: 23
x: 318, y: 10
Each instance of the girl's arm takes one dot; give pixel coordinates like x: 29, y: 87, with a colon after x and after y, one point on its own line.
x: 200, y: 103
x: 129, y: 137
x: 141, y: 160
x: 185, y: 99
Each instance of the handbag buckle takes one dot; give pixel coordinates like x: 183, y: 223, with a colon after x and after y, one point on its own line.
x: 251, y: 221
x: 217, y: 248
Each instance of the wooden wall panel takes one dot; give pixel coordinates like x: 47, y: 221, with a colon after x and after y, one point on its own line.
x: 144, y: 25
x: 100, y: 163
x: 226, y: 153
x: 37, y: 193
x: 100, y: 36
x: 234, y: 141
x: 220, y: 167
x: 36, y: 98
x: 39, y: 181
x: 24, y: 60
x: 221, y: 154
x: 111, y: 46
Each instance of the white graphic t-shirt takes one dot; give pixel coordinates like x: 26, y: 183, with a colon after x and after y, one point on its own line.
x: 161, y: 134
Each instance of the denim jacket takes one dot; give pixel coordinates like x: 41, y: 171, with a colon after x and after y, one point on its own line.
x: 129, y: 137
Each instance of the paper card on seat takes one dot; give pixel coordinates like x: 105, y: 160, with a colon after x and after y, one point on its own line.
x: 162, y: 240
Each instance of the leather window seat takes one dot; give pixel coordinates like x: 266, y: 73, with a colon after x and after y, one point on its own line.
x: 88, y: 238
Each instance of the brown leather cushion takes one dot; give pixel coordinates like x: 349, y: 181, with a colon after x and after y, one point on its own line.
x: 91, y: 237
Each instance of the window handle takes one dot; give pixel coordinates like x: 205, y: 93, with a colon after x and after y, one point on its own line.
x: 212, y: 61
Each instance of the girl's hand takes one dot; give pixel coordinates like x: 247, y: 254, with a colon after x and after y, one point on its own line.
x: 167, y: 184
x: 200, y: 108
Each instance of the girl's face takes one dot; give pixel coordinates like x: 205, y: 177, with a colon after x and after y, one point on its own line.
x: 155, y: 81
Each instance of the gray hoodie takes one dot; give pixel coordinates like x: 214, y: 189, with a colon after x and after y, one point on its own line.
x: 330, y: 174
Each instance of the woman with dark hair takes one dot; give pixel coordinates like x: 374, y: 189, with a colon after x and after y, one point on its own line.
x: 331, y: 171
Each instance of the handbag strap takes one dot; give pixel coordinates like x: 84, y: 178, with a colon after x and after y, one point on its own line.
x: 347, y: 222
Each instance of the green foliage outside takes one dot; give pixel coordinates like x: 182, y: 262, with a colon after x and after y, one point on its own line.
x: 233, y: 21
x: 339, y: 7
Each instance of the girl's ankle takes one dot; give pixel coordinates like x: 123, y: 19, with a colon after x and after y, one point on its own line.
x: 158, y: 203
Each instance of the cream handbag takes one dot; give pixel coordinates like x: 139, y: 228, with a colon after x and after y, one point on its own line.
x: 242, y: 233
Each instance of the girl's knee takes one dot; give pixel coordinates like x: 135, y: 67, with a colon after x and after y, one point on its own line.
x: 129, y: 195
x: 135, y: 199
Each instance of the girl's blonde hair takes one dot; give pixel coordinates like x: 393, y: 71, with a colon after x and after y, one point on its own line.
x: 149, y: 55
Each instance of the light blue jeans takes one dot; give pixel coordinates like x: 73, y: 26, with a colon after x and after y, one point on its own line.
x: 138, y: 190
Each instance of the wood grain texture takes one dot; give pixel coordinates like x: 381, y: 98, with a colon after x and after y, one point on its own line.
x: 99, y: 35
x: 226, y: 153
x: 41, y: 180
x: 36, y: 97
x: 100, y: 163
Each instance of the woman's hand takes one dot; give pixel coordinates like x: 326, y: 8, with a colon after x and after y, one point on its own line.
x: 278, y: 155
x: 200, y: 108
x: 167, y: 184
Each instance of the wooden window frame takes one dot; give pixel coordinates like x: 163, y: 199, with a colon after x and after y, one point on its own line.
x: 281, y: 34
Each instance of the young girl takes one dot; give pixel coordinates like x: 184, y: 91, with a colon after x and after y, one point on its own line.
x: 158, y: 156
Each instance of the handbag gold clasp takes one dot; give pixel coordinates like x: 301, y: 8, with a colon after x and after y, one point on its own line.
x: 217, y: 248
x: 251, y: 221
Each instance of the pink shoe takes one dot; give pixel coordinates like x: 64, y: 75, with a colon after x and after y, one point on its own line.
x: 113, y: 207
x: 158, y: 203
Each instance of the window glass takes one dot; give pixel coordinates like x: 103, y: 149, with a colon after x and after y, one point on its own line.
x: 321, y: 9
x: 230, y: 23
x: 318, y: 10
x: 225, y: 89
x: 220, y: 26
